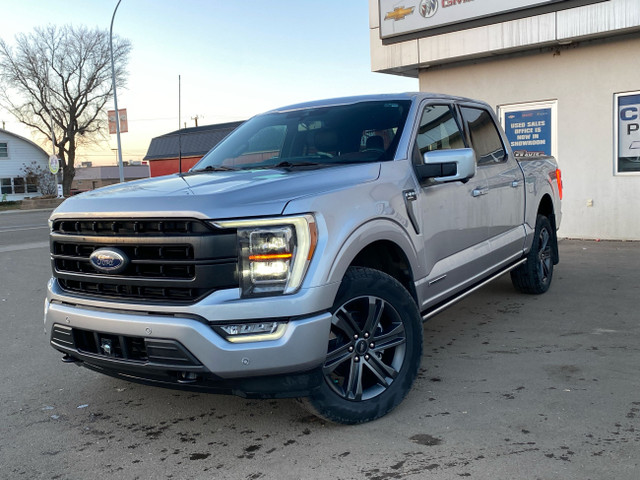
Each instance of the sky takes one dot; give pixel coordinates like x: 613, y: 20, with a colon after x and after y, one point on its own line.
x: 235, y: 59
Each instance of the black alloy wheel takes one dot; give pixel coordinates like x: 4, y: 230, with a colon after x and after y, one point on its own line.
x: 535, y: 275
x: 374, y: 349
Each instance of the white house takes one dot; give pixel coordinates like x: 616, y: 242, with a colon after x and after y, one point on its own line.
x: 17, y: 152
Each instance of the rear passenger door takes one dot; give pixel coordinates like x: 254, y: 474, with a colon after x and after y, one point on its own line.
x: 503, y: 190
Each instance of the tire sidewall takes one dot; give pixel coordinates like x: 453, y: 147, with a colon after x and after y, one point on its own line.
x: 360, y: 282
x: 542, y: 223
x: 527, y: 278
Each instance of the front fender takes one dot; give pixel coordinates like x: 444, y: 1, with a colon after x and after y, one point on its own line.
x: 366, y: 234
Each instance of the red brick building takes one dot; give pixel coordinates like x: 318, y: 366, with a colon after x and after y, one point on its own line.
x: 186, y: 146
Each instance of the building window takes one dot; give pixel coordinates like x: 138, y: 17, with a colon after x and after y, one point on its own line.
x: 531, y: 127
x: 4, y: 150
x: 627, y: 126
x: 32, y: 185
x: 18, y: 185
x: 6, y: 187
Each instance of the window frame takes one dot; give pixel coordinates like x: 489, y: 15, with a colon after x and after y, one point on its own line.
x: 616, y: 134
x: 4, y: 186
x: 415, y: 151
x: 6, y: 149
x: 506, y: 109
x: 19, y: 185
x: 8, y: 186
x: 467, y: 128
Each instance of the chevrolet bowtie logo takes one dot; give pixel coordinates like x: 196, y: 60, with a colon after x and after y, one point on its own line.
x: 399, y: 13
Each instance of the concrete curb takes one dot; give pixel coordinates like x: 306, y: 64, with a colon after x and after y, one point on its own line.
x: 5, y: 212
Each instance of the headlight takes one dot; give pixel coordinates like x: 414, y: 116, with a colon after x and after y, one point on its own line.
x: 274, y: 253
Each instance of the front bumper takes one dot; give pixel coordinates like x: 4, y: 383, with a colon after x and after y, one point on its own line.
x: 185, y: 352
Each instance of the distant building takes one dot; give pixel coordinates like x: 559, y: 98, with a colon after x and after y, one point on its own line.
x: 189, y: 143
x: 90, y: 178
x: 16, y: 153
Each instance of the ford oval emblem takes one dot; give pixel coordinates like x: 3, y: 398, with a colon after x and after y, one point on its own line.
x: 109, y: 260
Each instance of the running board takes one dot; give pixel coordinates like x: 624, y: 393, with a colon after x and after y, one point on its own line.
x: 465, y: 293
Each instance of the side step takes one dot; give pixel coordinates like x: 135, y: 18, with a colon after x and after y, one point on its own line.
x: 443, y: 306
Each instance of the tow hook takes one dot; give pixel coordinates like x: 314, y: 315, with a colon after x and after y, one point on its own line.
x: 66, y: 358
x: 187, y: 377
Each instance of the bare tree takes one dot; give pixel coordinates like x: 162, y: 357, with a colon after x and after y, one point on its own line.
x: 59, y: 79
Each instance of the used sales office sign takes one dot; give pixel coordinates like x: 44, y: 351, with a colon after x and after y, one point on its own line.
x: 399, y: 17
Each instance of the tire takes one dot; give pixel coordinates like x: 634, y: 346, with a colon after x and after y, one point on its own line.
x: 374, y: 349
x: 534, y: 276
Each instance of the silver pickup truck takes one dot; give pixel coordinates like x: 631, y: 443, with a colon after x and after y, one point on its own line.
x: 300, y: 256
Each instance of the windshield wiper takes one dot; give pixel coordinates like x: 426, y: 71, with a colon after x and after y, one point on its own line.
x: 286, y: 164
x: 212, y: 168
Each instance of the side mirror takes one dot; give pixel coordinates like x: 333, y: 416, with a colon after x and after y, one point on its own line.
x: 448, y: 165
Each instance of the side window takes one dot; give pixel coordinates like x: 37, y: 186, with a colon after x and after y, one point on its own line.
x: 438, y: 131
x: 484, y: 136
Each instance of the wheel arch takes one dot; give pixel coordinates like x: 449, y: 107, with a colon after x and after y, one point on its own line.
x: 388, y: 257
x: 546, y: 208
x: 381, y: 245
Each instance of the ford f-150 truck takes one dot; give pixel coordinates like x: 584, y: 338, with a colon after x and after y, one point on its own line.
x: 300, y: 256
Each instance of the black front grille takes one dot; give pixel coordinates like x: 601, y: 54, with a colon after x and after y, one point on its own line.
x: 141, y: 292
x: 154, y: 261
x: 174, y: 261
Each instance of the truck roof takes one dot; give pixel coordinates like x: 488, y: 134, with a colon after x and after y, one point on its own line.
x: 371, y: 98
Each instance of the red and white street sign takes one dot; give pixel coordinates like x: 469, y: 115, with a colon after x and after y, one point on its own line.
x: 124, y: 124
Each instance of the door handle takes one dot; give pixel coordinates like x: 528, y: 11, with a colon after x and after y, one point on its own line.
x: 515, y: 183
x: 480, y: 191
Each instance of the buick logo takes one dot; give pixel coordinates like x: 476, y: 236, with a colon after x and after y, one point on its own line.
x: 428, y: 8
x: 109, y: 260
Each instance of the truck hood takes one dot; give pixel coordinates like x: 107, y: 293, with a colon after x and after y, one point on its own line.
x: 216, y: 195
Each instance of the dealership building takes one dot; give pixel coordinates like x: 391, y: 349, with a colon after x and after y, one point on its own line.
x: 563, y: 76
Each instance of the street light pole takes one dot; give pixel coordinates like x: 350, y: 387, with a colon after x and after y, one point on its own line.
x: 115, y: 97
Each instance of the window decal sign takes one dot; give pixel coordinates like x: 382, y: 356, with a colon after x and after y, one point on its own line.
x: 529, y: 132
x: 627, y: 125
x: 531, y: 127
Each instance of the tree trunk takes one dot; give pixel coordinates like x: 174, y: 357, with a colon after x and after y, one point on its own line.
x: 68, y: 170
x: 67, y: 177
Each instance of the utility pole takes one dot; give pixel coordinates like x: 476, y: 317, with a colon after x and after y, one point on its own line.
x: 115, y: 97
x: 179, y: 119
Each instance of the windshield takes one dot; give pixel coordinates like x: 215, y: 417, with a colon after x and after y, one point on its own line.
x: 361, y: 132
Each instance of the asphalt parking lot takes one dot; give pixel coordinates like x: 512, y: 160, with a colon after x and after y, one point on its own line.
x: 511, y: 387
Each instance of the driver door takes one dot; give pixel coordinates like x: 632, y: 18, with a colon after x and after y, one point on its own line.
x: 453, y: 217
